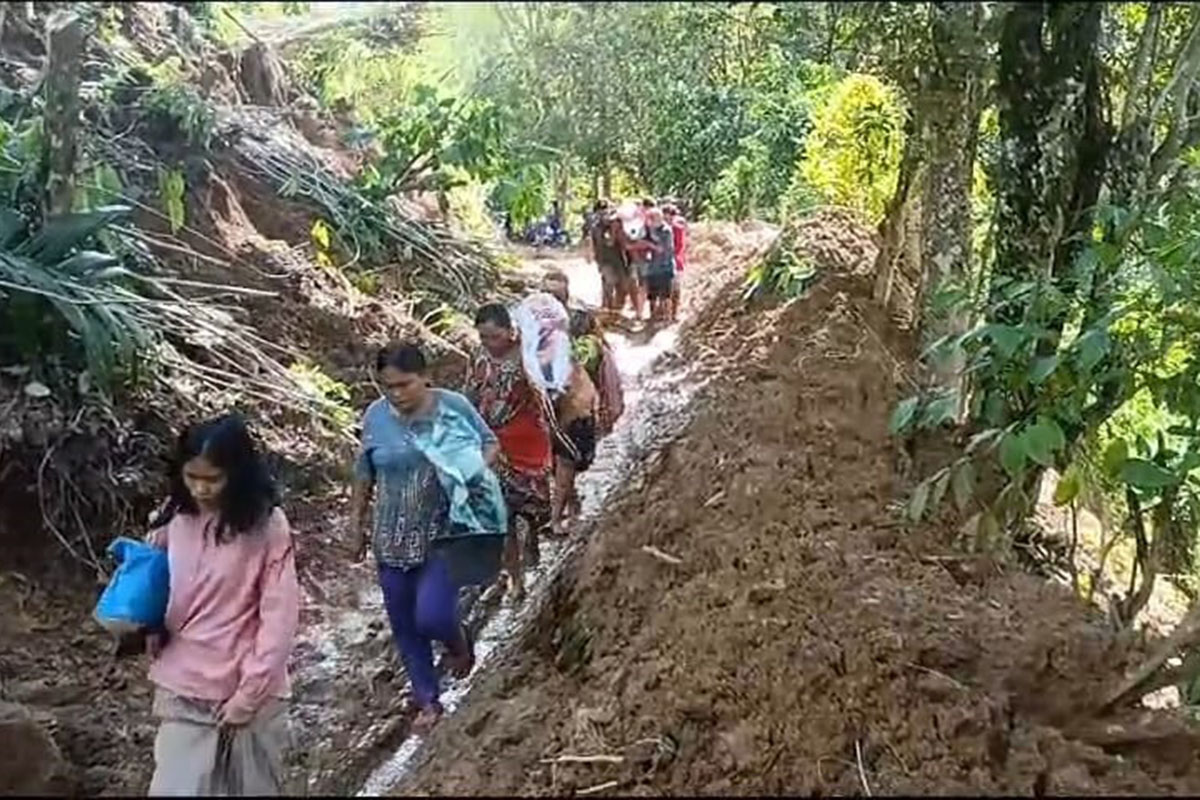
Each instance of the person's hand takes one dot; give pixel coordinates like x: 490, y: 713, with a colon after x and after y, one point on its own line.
x: 491, y: 454
x: 234, y: 713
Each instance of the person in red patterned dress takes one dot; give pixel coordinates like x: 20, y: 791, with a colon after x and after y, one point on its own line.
x: 518, y: 410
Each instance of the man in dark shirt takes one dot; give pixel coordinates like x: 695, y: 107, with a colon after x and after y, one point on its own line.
x: 609, y: 257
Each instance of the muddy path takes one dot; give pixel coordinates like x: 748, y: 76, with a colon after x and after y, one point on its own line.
x: 748, y: 615
x: 350, y: 698
x: 349, y: 708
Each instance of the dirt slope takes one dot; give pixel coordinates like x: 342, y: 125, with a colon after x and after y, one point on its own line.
x: 806, y: 643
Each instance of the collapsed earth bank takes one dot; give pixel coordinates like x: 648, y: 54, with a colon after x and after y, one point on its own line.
x: 754, y: 617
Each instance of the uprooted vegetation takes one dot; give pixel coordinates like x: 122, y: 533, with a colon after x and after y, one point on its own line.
x: 188, y: 245
x: 183, y: 261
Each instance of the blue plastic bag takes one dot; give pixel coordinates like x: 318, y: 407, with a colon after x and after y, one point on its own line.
x: 136, y: 596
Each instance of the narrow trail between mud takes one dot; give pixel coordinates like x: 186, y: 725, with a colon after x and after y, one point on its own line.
x: 354, y: 737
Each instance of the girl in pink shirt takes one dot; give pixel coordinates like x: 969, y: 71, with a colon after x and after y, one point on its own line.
x: 221, y: 667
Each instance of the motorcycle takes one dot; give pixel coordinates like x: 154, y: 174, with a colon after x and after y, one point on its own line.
x: 544, y: 234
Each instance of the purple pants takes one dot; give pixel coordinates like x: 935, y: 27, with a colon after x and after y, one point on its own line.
x: 422, y: 605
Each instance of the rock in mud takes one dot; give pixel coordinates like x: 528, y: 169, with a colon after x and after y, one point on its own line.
x: 30, y: 762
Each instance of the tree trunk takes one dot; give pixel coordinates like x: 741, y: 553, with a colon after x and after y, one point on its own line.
x: 1053, y: 151
x: 64, y: 49
x: 1023, y: 224
x: 950, y: 107
x: 891, y: 228
x: 1053, y: 144
x: 562, y: 188
x: 1078, y: 37
x: 909, y: 258
x: 264, y: 77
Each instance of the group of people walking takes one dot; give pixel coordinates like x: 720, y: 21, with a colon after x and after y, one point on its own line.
x: 441, y: 485
x: 640, y: 250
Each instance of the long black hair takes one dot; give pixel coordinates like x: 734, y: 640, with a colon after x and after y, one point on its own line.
x: 494, y: 313
x: 249, y: 495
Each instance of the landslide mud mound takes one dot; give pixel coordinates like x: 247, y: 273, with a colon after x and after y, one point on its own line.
x: 790, y: 635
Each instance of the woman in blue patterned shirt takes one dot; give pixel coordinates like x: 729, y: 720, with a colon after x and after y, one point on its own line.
x: 439, y: 519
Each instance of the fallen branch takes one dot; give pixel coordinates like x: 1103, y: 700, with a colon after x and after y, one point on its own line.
x: 596, y: 759
x: 862, y: 773
x: 600, y: 787
x: 1183, y: 637
x: 660, y: 555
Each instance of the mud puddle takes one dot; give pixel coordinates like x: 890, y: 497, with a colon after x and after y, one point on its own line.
x: 658, y: 391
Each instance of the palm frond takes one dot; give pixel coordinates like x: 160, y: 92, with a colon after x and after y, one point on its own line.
x: 432, y: 259
x: 119, y: 318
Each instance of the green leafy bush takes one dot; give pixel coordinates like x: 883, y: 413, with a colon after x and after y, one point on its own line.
x: 176, y: 107
x: 853, y: 153
x: 1110, y: 398
x: 738, y: 192
x: 785, y: 272
x: 62, y: 300
x: 333, y: 393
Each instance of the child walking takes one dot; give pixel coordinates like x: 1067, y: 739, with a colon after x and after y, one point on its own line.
x: 221, y: 674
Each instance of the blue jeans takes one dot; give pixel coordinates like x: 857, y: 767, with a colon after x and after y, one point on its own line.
x: 422, y: 605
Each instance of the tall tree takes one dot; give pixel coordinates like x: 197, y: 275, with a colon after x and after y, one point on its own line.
x: 948, y: 106
x: 64, y: 49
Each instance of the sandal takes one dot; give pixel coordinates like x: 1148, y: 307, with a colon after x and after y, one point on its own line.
x: 427, y: 717
x: 531, y: 551
x: 462, y: 663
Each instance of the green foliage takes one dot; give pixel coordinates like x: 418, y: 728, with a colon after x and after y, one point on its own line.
x: 524, y: 194
x: 468, y: 210
x: 22, y: 156
x: 785, y: 272
x: 853, y: 153
x: 334, y: 394
x: 104, y: 184
x: 344, y: 70
x: 218, y: 23
x: 436, y: 143
x: 739, y: 189
x: 176, y: 107
x: 172, y: 191
x: 60, y: 299
x: 68, y: 310
x: 1121, y: 389
x: 322, y: 239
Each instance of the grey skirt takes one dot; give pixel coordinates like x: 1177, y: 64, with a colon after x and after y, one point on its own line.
x: 194, y: 757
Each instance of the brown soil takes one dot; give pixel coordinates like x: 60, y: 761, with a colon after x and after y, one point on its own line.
x: 808, y: 643
x: 57, y: 663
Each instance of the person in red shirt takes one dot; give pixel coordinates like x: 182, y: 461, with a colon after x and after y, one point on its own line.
x: 518, y: 411
x: 679, y: 229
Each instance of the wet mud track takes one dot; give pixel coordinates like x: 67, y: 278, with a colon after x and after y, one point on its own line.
x: 350, y: 708
x: 749, y: 615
